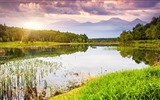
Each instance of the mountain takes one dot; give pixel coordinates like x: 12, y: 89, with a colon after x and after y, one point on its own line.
x: 67, y: 22
x: 112, y: 21
x: 103, y: 29
x: 136, y: 21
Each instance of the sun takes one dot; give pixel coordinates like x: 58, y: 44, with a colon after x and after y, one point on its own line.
x: 32, y: 25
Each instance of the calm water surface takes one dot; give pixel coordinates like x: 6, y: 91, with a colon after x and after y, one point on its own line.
x: 95, y: 61
x: 62, y: 67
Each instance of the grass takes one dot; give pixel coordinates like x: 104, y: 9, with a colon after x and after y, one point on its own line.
x: 19, y: 44
x: 143, y: 84
x: 137, y: 43
x: 144, y: 43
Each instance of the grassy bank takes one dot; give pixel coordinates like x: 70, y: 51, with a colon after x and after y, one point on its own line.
x: 143, y: 84
x: 143, y: 43
x: 19, y: 44
x: 29, y: 44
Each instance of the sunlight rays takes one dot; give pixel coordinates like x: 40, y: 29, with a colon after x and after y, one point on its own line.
x: 32, y: 25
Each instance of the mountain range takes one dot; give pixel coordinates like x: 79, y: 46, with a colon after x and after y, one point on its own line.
x: 103, y: 29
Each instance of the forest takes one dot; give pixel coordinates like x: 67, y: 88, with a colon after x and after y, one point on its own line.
x: 9, y: 34
x: 150, y: 31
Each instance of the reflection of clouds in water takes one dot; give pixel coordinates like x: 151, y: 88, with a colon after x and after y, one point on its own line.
x: 96, y: 61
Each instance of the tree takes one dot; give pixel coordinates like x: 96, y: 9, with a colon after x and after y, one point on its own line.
x: 24, y: 39
x: 157, y: 30
x: 25, y: 35
x: 140, y: 32
x: 137, y: 32
x: 1, y: 40
x: 125, y: 36
x: 150, y: 32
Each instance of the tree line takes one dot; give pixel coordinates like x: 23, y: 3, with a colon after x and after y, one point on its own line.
x: 150, y: 31
x: 102, y: 40
x: 8, y: 34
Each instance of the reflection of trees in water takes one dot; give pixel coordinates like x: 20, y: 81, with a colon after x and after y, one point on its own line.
x: 20, y: 79
x: 139, y: 55
x: 12, y: 53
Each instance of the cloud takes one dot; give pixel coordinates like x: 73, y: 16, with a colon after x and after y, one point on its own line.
x: 145, y: 3
x: 81, y: 10
x: 54, y: 6
x: 93, y: 7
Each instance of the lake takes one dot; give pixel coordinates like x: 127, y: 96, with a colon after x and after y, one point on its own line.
x: 44, y: 71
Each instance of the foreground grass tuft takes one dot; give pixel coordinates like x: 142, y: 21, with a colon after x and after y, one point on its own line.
x: 141, y: 84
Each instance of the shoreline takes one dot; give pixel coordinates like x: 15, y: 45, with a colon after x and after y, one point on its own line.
x: 137, y: 43
x: 87, y: 88
x: 20, y: 44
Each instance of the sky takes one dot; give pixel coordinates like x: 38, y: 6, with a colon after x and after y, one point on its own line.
x: 40, y: 13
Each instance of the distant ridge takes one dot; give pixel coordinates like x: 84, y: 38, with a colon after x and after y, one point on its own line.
x: 103, y: 29
x: 137, y: 20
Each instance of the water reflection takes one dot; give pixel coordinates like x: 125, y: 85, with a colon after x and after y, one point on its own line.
x: 149, y: 57
x: 7, y: 54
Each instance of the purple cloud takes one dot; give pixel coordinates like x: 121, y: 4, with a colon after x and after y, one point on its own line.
x: 72, y: 7
x: 95, y: 7
x: 145, y: 3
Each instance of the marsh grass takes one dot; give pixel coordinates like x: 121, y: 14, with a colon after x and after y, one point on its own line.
x: 143, y: 84
x: 29, y: 80
x: 20, y: 79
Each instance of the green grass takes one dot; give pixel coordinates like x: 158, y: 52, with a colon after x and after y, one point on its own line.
x: 19, y: 44
x: 144, y: 43
x: 143, y: 84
